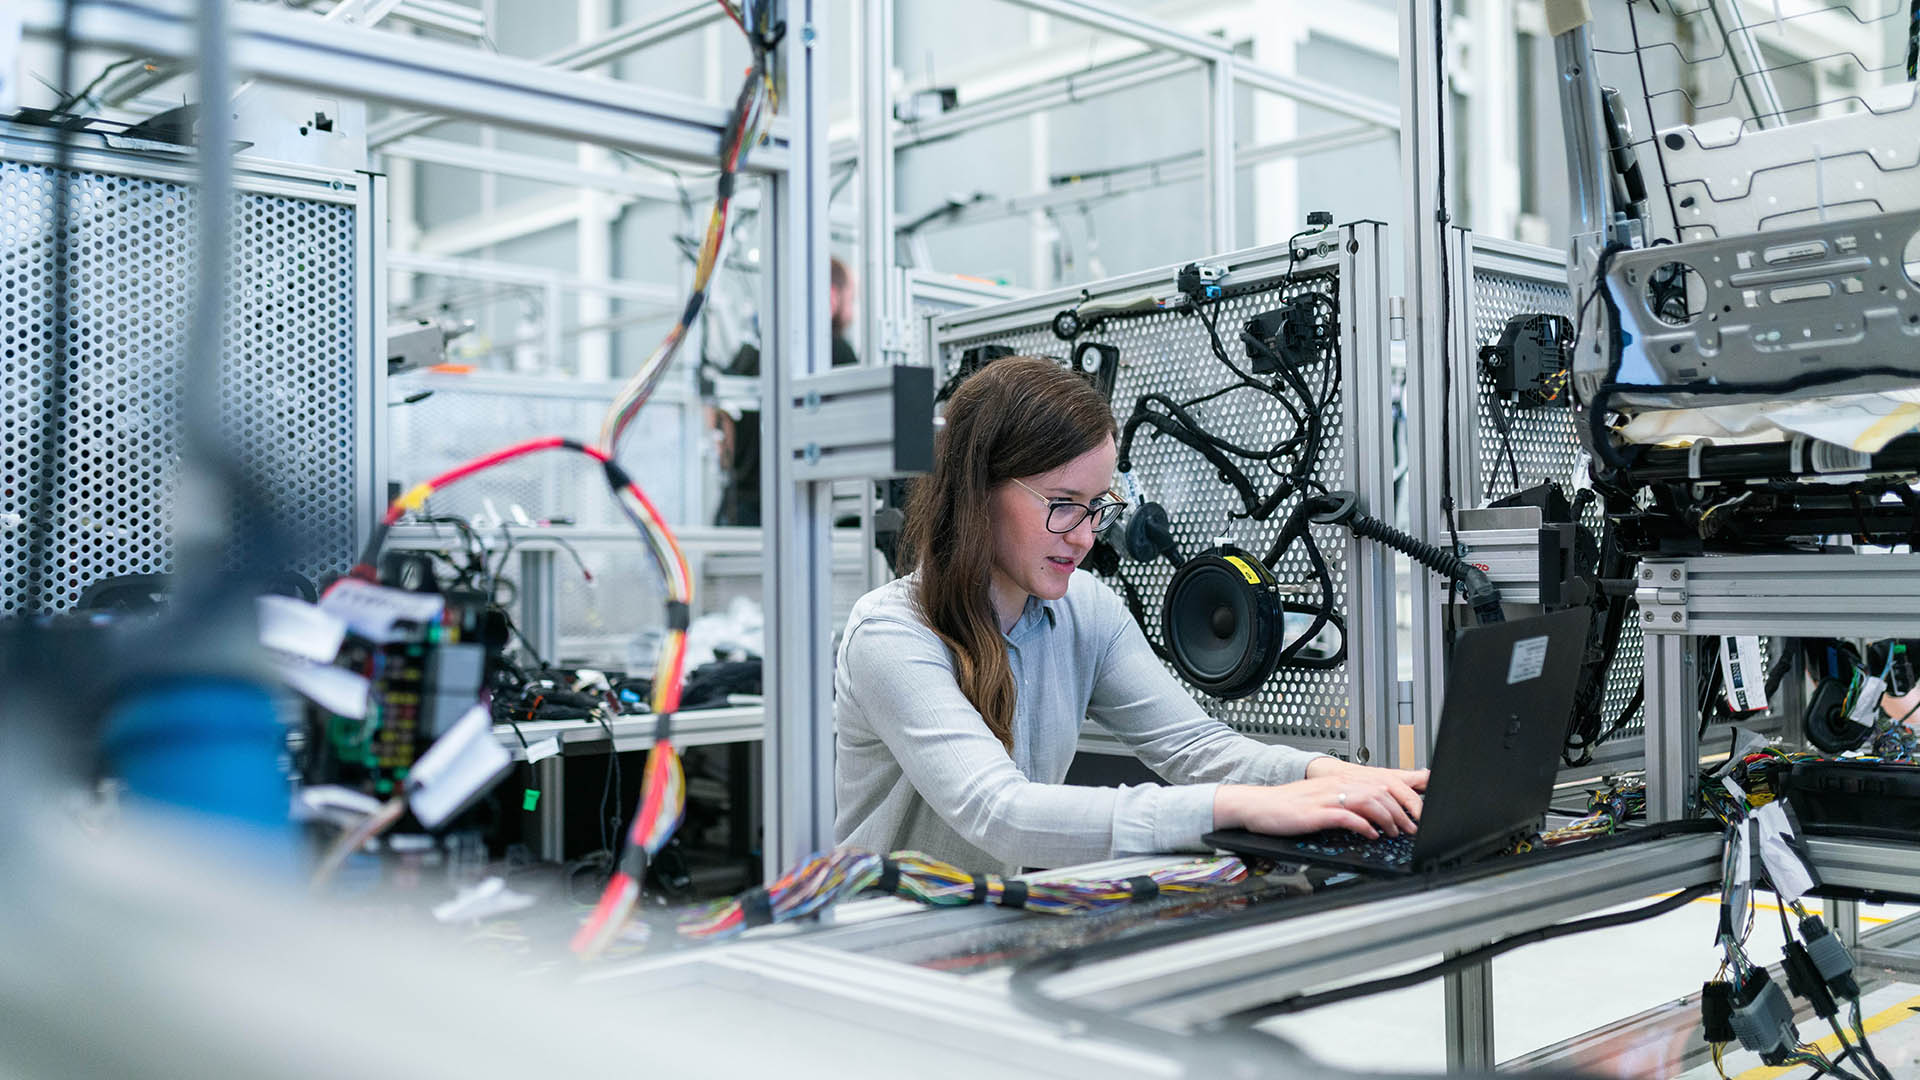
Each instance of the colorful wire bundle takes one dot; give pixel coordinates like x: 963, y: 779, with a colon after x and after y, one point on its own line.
x: 663, y: 789
x: 758, y: 100
x: 825, y: 879
x: 663, y: 794
x: 1608, y: 808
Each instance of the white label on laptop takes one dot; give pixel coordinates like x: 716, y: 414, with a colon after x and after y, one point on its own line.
x: 1529, y: 660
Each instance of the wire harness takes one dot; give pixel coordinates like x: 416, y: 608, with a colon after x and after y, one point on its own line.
x: 826, y: 878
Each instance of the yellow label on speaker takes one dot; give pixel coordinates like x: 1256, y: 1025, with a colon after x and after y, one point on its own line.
x: 1245, y: 570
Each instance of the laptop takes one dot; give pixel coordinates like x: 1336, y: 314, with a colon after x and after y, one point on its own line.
x: 1508, y: 705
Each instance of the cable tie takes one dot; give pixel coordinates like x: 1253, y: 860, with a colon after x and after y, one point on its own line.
x: 981, y: 886
x: 633, y: 862
x: 1144, y: 888
x: 678, y: 615
x: 1013, y: 894
x: 756, y: 907
x: 693, y: 308
x: 889, y: 876
x: 616, y: 475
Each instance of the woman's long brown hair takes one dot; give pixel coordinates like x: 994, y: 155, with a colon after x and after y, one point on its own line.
x: 1017, y: 417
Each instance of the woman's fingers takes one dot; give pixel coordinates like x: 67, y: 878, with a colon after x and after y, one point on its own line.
x: 1335, y: 817
x: 1404, y: 794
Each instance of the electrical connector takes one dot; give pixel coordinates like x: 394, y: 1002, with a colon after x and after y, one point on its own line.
x: 1763, y: 1019
x: 1716, y: 1011
x: 1831, y: 958
x: 1803, y: 978
x: 1200, y: 281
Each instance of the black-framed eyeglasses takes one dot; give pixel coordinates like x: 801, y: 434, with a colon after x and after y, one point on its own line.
x: 1065, y: 515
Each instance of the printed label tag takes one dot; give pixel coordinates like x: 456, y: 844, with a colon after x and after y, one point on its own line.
x: 1529, y: 660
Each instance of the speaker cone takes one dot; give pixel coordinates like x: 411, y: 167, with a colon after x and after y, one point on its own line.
x: 1222, y: 622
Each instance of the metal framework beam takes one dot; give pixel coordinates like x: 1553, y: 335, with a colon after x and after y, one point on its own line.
x: 1049, y: 94
x: 1433, y: 256
x: 629, y: 37
x: 1203, y: 978
x: 292, y: 49
x: 1146, y: 177
x: 1163, y: 36
x: 661, y: 296
x: 796, y: 513
x: 530, y: 167
x: 430, y: 14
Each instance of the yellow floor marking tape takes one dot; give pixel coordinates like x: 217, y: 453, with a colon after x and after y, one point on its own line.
x: 1830, y: 1045
x: 1776, y: 907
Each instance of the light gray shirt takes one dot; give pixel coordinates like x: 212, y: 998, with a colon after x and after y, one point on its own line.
x: 917, y: 768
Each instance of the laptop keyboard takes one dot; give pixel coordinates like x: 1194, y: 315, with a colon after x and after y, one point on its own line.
x: 1386, y: 850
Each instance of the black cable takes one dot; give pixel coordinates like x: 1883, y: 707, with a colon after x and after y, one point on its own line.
x: 85, y: 93
x: 1505, y: 424
x: 1659, y: 156
x: 1303, y: 1002
x: 44, y: 504
x: 1443, y: 219
x: 1913, y: 41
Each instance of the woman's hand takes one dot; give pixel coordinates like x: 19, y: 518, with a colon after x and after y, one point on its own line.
x: 1335, y: 795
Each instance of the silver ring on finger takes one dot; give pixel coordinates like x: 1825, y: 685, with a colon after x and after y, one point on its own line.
x: 1343, y: 798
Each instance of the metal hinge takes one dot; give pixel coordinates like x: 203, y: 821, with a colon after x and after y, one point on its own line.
x: 1662, y: 594
x: 1396, y: 318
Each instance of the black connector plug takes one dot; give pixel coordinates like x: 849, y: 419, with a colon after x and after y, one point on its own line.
x: 1200, y: 281
x: 1150, y: 535
x: 1830, y: 958
x: 1716, y: 1011
x: 1803, y: 978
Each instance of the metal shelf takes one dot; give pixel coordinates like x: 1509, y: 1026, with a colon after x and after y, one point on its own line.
x: 699, y: 727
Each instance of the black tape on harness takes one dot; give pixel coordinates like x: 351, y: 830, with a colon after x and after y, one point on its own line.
x: 756, y: 907
x: 889, y: 877
x: 981, y: 887
x: 1143, y: 888
x: 1013, y: 894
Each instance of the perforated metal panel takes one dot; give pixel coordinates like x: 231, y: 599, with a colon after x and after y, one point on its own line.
x: 1168, y: 352
x: 293, y: 378
x: 1543, y: 444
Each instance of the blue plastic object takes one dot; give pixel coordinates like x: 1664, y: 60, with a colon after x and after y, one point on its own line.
x: 208, y: 745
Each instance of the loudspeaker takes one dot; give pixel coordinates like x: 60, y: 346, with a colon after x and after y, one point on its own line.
x: 1223, y: 622
x: 1827, y: 727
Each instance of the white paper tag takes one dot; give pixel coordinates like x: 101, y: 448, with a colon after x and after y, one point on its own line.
x: 543, y: 750
x: 1743, y: 674
x: 1866, y: 706
x: 372, y: 611
x: 1747, y: 742
x: 1734, y: 789
x: 1528, y: 661
x: 1743, y: 857
x: 1785, y: 868
x: 459, y: 767
x: 298, y: 628
x: 337, y: 690
x: 484, y: 900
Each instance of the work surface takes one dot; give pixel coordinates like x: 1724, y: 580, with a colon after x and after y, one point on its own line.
x: 1129, y: 989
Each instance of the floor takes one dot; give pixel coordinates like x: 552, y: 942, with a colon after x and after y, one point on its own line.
x: 1552, y: 991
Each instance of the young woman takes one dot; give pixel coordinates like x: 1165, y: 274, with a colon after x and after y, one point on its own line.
x: 961, y: 687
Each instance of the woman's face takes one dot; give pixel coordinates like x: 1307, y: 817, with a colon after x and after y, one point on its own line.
x: 1027, y: 559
